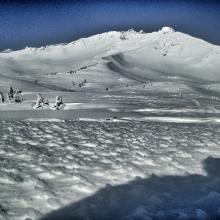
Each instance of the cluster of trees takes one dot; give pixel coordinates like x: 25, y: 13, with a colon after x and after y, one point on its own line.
x: 41, y: 102
x: 15, y: 96
x: 12, y: 96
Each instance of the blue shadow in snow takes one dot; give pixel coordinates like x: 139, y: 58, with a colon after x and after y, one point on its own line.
x: 191, y: 196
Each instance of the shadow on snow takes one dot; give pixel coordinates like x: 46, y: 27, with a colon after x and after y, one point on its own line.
x: 191, y: 196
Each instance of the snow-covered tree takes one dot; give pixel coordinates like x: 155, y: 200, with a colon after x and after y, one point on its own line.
x: 17, y: 96
x: 2, y: 98
x: 10, y: 96
x: 58, y: 102
x: 40, y: 101
x: 14, y: 96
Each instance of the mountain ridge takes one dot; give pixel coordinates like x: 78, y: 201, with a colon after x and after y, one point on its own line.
x: 120, y: 34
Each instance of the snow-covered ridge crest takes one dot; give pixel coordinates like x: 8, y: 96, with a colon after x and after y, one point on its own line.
x: 106, y: 37
x: 117, y: 35
x: 111, y: 36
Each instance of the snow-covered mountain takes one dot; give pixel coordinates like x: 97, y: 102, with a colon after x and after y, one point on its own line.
x: 142, y: 56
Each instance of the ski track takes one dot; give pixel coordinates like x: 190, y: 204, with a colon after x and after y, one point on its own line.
x: 46, y: 165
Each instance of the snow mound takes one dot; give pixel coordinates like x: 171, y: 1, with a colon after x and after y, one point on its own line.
x: 166, y: 30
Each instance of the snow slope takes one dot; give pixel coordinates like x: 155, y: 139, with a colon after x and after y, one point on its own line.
x: 159, y: 55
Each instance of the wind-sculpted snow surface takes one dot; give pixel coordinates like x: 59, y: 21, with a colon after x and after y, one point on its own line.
x: 47, y: 165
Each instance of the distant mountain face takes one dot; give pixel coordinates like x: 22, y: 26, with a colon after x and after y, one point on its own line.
x: 138, y: 55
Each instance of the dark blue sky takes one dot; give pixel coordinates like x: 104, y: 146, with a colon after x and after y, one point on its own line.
x: 38, y: 23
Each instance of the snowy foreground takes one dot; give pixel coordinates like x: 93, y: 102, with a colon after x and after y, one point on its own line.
x: 137, y: 139
x: 109, y: 170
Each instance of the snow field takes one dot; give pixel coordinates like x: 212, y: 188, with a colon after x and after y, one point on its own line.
x: 47, y: 165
